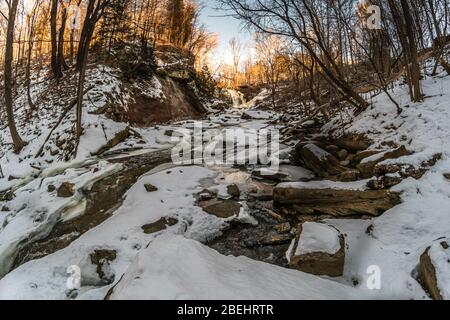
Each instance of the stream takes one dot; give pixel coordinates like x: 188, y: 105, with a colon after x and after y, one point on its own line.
x: 262, y: 240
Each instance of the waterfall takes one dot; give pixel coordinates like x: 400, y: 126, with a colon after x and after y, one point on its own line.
x: 237, y: 97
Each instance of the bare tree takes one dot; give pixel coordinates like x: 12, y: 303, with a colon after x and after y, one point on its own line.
x: 94, y: 12
x: 236, y: 54
x: 12, y: 10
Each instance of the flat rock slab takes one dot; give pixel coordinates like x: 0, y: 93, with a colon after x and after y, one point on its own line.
x: 222, y: 209
x: 335, y: 202
x: 319, y: 250
x: 159, y: 225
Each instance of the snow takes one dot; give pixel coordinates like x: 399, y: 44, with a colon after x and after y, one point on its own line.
x: 440, y: 258
x: 359, y: 185
x: 178, y: 268
x: 318, y: 237
x: 34, y: 211
x: 122, y: 232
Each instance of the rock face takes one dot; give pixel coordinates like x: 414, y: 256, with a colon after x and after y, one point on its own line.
x: 323, y: 163
x: 335, y: 202
x: 222, y: 209
x: 319, y: 250
x: 434, y: 270
x: 66, y: 190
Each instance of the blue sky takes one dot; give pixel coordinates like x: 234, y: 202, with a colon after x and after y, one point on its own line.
x: 225, y: 26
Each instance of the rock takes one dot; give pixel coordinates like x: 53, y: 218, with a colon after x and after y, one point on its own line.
x: 332, y: 148
x: 233, y: 190
x: 168, y: 133
x: 150, y: 188
x: 319, y: 250
x: 335, y: 202
x: 102, y: 258
x: 436, y: 258
x: 51, y: 188
x: 118, y: 138
x: 283, y: 227
x: 206, y: 194
x: 159, y: 225
x: 357, y: 158
x: 345, y: 163
x: 66, y: 190
x: 353, y: 142
x: 384, y: 182
x: 347, y: 176
x: 320, y: 161
x: 447, y: 176
x: 367, y: 169
x: 161, y: 72
x: 269, y: 174
x: 342, y: 154
x: 8, y: 195
x: 276, y: 239
x: 5, y: 209
x: 222, y: 209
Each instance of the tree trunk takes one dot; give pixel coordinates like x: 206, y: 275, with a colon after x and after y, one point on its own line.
x: 56, y: 67
x: 17, y: 140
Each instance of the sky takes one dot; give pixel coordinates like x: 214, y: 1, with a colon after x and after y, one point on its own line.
x: 227, y: 27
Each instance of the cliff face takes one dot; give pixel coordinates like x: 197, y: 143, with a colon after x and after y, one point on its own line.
x: 168, y: 93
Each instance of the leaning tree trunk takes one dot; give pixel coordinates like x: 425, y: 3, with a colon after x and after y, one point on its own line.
x: 17, y: 140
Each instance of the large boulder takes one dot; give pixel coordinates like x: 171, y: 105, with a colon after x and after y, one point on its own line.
x: 434, y: 270
x: 333, y: 199
x: 323, y: 163
x: 319, y: 250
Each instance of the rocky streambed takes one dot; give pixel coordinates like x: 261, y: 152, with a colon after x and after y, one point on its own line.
x: 275, y: 217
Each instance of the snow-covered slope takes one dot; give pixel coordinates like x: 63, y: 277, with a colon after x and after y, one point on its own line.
x: 178, y: 268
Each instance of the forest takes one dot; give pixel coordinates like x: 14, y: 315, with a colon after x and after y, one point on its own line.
x: 270, y: 149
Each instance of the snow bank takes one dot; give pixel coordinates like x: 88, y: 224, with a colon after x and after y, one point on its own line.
x: 178, y: 268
